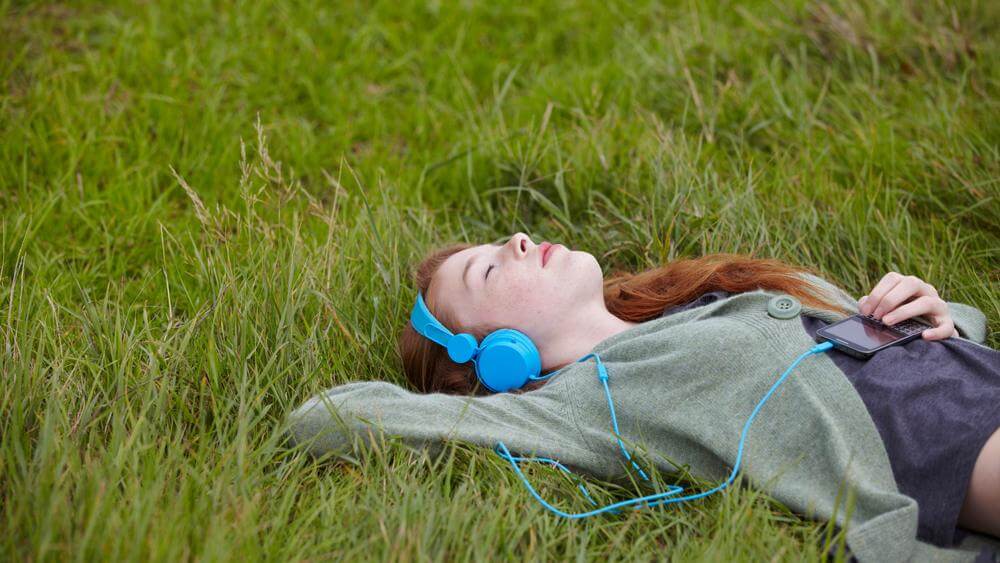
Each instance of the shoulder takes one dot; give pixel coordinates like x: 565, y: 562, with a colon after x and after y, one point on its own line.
x: 703, y: 299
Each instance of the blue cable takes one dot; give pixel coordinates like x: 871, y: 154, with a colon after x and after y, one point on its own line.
x: 659, y: 498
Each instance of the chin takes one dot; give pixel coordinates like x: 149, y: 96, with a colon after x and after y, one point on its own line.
x: 592, y: 265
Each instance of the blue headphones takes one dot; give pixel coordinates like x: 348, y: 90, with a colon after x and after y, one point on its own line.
x: 506, y: 359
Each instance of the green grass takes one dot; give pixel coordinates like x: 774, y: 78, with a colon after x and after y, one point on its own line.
x: 155, y: 335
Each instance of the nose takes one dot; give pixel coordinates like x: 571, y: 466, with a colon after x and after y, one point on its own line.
x: 520, y: 243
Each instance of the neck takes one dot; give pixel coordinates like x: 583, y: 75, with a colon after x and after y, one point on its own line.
x: 585, y: 331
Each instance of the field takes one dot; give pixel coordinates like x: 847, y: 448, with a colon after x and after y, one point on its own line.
x: 210, y: 211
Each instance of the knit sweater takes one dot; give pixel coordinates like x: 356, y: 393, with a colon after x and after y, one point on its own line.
x: 683, y: 385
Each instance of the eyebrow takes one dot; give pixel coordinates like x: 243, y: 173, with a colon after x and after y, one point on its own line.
x: 468, y: 264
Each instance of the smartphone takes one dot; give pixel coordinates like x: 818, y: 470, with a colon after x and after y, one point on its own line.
x: 862, y: 336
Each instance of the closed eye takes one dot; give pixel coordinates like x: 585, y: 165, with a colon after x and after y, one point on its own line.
x: 492, y: 265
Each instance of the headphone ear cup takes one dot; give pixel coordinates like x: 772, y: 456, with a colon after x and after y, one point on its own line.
x: 506, y: 360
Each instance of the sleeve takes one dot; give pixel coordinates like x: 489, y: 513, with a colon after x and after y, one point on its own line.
x: 969, y: 321
x: 343, y: 419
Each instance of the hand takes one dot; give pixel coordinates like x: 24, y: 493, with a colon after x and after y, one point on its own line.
x: 894, y: 290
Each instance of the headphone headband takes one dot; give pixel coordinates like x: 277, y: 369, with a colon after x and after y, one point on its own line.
x: 461, y: 347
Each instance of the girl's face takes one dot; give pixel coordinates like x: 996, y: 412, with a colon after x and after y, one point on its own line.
x: 507, y: 286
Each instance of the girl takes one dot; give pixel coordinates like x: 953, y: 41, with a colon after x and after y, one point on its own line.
x: 690, y: 348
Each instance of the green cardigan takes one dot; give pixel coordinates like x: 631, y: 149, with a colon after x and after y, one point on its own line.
x: 683, y: 386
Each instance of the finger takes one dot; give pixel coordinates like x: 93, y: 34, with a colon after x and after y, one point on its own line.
x: 919, y: 306
x: 887, y: 282
x: 944, y: 330
x: 906, y: 288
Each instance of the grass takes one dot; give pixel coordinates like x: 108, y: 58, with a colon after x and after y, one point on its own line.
x: 209, y: 212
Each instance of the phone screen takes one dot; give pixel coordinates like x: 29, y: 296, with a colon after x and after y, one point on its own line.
x: 863, y: 334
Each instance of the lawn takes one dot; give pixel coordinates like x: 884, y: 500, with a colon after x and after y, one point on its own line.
x: 210, y: 212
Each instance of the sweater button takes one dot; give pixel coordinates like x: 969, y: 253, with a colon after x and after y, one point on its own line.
x: 783, y: 307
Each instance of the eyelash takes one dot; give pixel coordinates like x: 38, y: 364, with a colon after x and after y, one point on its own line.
x: 491, y: 265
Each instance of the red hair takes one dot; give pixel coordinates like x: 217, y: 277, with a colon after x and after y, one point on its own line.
x: 634, y: 297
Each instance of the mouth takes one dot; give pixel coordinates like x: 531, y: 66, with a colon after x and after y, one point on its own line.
x: 547, y: 250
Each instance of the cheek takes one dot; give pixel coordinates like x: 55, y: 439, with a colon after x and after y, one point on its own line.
x: 528, y: 300
x: 510, y: 303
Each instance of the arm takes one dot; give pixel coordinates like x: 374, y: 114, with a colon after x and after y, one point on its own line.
x: 539, y: 422
x: 969, y: 321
